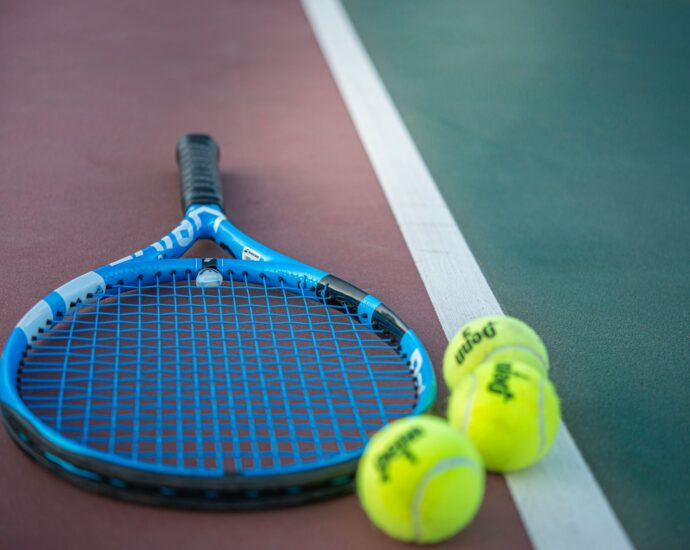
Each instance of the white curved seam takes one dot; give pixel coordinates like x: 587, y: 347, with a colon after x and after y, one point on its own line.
x: 542, y: 419
x: 541, y: 359
x: 439, y: 468
x: 470, y: 402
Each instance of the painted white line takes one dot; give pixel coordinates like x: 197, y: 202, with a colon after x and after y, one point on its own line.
x: 559, y: 500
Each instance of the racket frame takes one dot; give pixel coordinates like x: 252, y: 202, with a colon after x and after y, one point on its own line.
x: 105, y: 473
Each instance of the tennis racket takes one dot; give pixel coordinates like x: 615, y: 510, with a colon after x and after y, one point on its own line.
x: 240, y: 383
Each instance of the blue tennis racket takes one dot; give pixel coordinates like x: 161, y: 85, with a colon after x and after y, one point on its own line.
x: 239, y: 383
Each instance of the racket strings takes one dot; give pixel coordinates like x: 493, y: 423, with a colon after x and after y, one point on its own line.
x: 240, y: 377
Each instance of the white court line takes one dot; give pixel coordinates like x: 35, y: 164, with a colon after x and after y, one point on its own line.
x: 559, y: 500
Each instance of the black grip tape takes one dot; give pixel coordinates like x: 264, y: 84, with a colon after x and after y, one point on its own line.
x: 197, y: 157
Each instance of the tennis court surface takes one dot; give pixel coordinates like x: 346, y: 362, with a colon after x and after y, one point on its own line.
x: 455, y: 159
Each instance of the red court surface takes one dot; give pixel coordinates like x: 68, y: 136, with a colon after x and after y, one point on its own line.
x: 93, y: 98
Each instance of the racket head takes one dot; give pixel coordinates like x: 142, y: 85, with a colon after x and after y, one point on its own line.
x: 233, y: 384
x: 287, y: 445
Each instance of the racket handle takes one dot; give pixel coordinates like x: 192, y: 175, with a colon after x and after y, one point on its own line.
x: 197, y: 157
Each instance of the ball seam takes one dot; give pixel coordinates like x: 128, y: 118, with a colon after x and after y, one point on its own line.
x: 469, y: 404
x: 542, y: 419
x: 543, y: 363
x: 428, y: 477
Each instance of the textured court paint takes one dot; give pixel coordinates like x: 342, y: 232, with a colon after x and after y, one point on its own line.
x: 558, y: 133
x: 552, y: 513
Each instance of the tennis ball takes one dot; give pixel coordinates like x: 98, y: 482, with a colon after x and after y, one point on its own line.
x: 510, y: 410
x: 420, y: 480
x: 498, y: 338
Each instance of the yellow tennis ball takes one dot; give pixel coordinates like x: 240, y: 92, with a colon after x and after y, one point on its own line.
x: 498, y: 338
x: 420, y: 480
x: 510, y: 410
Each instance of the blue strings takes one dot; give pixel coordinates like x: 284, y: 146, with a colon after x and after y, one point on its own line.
x: 238, y: 378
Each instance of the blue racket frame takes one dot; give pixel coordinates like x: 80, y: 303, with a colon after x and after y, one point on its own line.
x: 258, y: 264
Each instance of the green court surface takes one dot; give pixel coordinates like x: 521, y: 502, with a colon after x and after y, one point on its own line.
x: 559, y: 135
